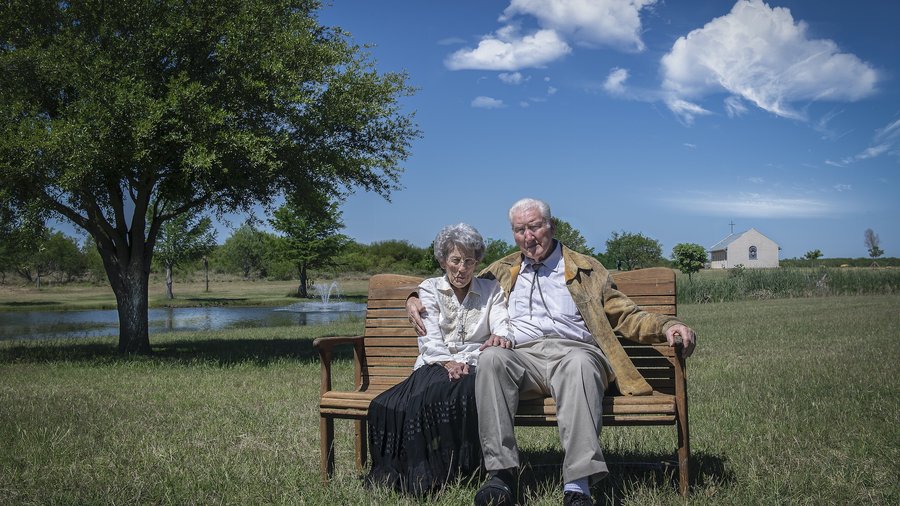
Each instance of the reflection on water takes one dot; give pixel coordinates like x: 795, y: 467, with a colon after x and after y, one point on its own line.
x: 97, y: 323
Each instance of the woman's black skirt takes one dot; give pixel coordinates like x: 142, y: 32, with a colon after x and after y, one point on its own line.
x: 423, y: 432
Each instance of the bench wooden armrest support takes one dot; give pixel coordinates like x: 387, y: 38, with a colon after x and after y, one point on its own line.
x: 325, y: 346
x: 384, y: 356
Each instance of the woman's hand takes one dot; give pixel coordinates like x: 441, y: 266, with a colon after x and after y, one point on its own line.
x: 456, y: 370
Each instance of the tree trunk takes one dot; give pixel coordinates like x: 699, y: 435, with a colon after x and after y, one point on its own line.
x: 206, y: 270
x: 169, y: 293
x: 302, y: 290
x: 37, y: 281
x: 130, y: 283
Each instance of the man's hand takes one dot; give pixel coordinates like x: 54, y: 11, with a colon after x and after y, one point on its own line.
x: 685, y: 335
x: 496, y: 341
x: 456, y: 370
x: 415, y: 311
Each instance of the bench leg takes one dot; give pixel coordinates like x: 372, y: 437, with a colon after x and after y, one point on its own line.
x: 326, y: 447
x: 684, y: 457
x: 362, y: 444
x: 681, y: 425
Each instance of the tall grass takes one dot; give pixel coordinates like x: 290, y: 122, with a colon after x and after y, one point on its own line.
x: 760, y: 284
x: 792, y: 401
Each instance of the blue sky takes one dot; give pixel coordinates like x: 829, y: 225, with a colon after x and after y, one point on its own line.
x: 669, y: 118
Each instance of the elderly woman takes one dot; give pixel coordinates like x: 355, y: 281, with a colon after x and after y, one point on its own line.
x: 424, y: 431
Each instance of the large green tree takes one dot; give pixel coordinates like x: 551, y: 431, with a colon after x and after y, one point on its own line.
x: 633, y: 251
x: 120, y: 115
x: 182, y: 239
x: 310, y: 236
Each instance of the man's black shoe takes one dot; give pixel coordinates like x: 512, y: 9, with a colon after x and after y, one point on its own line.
x: 577, y: 499
x: 499, y: 490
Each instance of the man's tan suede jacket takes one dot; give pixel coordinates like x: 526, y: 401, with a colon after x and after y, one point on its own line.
x: 606, y: 312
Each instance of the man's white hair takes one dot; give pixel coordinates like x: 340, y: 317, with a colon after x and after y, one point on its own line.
x: 525, y: 204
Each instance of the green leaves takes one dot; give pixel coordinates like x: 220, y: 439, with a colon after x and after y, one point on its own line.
x: 629, y: 251
x: 689, y: 258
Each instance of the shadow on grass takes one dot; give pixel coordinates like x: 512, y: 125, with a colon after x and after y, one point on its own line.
x: 31, y: 303
x: 626, y: 470
x: 222, y: 352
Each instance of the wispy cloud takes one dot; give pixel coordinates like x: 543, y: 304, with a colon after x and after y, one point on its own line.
x: 612, y: 23
x: 885, y: 141
x: 690, y: 146
x: 761, y: 55
x: 483, y: 102
x: 752, y: 205
x: 451, y: 41
x: 843, y: 187
x: 735, y: 107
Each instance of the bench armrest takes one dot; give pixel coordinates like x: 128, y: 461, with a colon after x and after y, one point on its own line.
x: 325, y: 347
x: 669, y: 351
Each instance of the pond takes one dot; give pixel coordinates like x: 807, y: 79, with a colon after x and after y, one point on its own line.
x: 101, y: 323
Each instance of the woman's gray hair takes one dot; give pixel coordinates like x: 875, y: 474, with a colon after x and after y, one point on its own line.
x: 461, y: 235
x: 525, y: 204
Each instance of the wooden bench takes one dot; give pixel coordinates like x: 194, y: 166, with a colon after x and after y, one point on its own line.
x: 384, y: 356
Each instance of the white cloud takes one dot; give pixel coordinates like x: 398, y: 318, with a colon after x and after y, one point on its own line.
x: 843, y: 187
x: 734, y: 106
x: 615, y: 81
x: 615, y: 23
x: 483, y: 102
x: 873, y: 151
x: 690, y: 146
x: 760, y: 54
x: 886, y: 141
x: 756, y: 180
x: 888, y: 133
x: 511, y: 77
x: 524, y: 103
x: 551, y: 90
x: 686, y: 110
x: 753, y: 205
x: 505, y: 50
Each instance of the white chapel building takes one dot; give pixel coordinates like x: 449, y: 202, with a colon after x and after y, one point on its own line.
x: 749, y: 248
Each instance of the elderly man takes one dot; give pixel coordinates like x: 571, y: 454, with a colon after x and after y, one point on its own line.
x: 565, y: 313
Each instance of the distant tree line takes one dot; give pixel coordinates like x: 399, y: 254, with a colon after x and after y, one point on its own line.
x: 307, y: 245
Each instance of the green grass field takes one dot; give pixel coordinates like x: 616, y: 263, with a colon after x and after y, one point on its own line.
x: 793, y: 401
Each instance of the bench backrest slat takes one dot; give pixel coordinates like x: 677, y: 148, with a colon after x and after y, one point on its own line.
x: 391, y: 344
